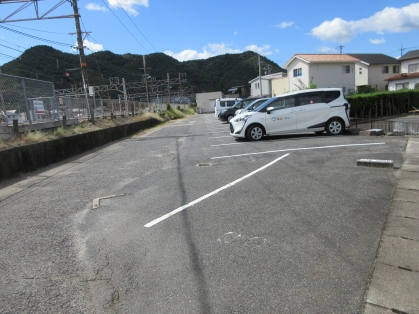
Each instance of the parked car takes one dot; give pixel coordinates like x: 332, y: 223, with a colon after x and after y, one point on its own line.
x: 224, y: 103
x: 227, y: 114
x: 315, y: 110
x: 251, y: 106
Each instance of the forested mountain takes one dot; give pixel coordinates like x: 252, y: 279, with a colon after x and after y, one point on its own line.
x: 213, y: 74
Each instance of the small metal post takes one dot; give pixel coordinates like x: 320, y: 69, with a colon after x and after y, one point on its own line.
x: 15, y: 127
x: 64, y: 121
x: 112, y: 116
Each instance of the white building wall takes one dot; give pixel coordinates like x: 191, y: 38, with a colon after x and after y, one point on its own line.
x: 332, y: 75
x: 405, y: 65
x: 361, y: 74
x: 255, y: 87
x: 392, y: 85
x: 206, y: 101
x: 294, y: 81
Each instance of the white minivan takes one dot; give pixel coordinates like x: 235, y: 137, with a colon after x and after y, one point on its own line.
x: 317, y: 110
x: 224, y: 103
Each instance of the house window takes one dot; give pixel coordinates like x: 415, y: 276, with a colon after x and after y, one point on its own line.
x: 298, y: 72
x: 346, y: 69
x: 360, y: 70
x: 344, y: 89
x: 396, y: 68
x: 384, y: 69
x: 350, y: 91
x: 413, y: 68
x: 402, y: 86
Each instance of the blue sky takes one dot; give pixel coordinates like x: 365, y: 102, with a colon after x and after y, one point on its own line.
x: 192, y: 29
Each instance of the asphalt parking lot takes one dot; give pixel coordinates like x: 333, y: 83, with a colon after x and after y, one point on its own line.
x: 191, y: 220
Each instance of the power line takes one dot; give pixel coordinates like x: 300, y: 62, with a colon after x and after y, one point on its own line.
x: 34, y: 37
x: 135, y: 25
x: 37, y: 30
x: 125, y: 26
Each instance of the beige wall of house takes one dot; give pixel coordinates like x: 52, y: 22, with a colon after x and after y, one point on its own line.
x: 206, y: 101
x: 280, y: 86
x: 333, y: 75
x: 376, y: 77
x: 361, y: 74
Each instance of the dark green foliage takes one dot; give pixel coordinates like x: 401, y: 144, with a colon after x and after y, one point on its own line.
x: 379, y: 104
x: 214, y: 74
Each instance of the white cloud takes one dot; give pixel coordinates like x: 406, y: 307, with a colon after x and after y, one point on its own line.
x: 212, y: 50
x: 392, y: 20
x: 90, y: 46
x: 129, y: 5
x: 284, y: 24
x: 377, y: 41
x: 325, y: 49
x: 264, y: 50
x: 95, y: 7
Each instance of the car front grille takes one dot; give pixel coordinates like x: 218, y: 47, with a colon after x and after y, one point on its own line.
x: 231, y: 129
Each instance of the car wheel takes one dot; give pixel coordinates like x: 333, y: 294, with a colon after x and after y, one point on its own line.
x: 254, y: 133
x: 334, y: 127
x: 229, y: 118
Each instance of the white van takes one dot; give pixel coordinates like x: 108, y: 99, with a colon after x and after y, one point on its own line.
x: 224, y: 103
x: 316, y: 110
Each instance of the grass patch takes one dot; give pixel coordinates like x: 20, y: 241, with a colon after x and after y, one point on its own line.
x: 85, y: 126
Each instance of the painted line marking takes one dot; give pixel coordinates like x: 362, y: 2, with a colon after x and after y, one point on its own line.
x: 219, y: 136
x: 218, y: 132
x: 226, y: 144
x: 156, y: 221
x: 294, y: 149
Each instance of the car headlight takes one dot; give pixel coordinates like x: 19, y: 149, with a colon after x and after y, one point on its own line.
x: 243, y: 118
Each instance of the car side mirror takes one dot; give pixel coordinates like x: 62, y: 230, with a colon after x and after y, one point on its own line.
x: 268, y: 111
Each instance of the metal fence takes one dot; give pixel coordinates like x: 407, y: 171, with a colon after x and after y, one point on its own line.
x: 26, y: 99
x: 31, y: 101
x: 397, y: 128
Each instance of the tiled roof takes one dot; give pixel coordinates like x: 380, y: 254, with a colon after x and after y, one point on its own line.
x: 375, y: 58
x: 410, y: 55
x: 403, y: 76
x: 326, y: 57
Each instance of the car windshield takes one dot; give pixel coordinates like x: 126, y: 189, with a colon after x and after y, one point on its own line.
x: 262, y: 105
x: 255, y: 104
x: 237, y: 104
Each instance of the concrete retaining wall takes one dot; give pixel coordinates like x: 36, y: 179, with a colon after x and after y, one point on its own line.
x: 20, y: 160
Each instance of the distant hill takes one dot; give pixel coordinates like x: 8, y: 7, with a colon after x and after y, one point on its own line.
x: 213, y: 74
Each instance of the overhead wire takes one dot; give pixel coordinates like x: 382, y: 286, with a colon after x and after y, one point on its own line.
x: 125, y: 26
x: 34, y: 37
x: 135, y: 25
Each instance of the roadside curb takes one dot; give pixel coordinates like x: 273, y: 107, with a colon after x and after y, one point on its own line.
x: 394, y: 286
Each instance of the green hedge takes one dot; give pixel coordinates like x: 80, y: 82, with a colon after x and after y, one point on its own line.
x: 381, y: 104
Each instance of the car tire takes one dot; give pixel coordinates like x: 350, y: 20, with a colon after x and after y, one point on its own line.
x: 254, y: 133
x: 334, y: 127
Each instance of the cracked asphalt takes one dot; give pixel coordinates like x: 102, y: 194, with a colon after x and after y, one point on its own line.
x: 300, y: 236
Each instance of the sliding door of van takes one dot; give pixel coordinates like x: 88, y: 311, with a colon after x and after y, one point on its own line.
x: 312, y: 110
x: 283, y: 118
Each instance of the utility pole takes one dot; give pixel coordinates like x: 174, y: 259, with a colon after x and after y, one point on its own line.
x: 260, y: 77
x: 340, y: 48
x: 168, y: 87
x: 145, y: 78
x: 401, y: 50
x: 180, y: 85
x: 80, y: 47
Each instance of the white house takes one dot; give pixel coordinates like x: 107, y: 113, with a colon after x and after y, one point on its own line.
x: 348, y: 71
x: 409, y: 75
x: 261, y: 86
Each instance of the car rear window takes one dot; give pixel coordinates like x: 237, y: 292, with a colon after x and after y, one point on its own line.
x: 332, y: 95
x: 310, y: 98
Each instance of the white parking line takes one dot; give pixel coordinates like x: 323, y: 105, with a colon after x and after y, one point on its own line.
x: 219, y: 136
x: 294, y: 149
x: 156, y: 221
x: 226, y: 144
x: 219, y: 132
